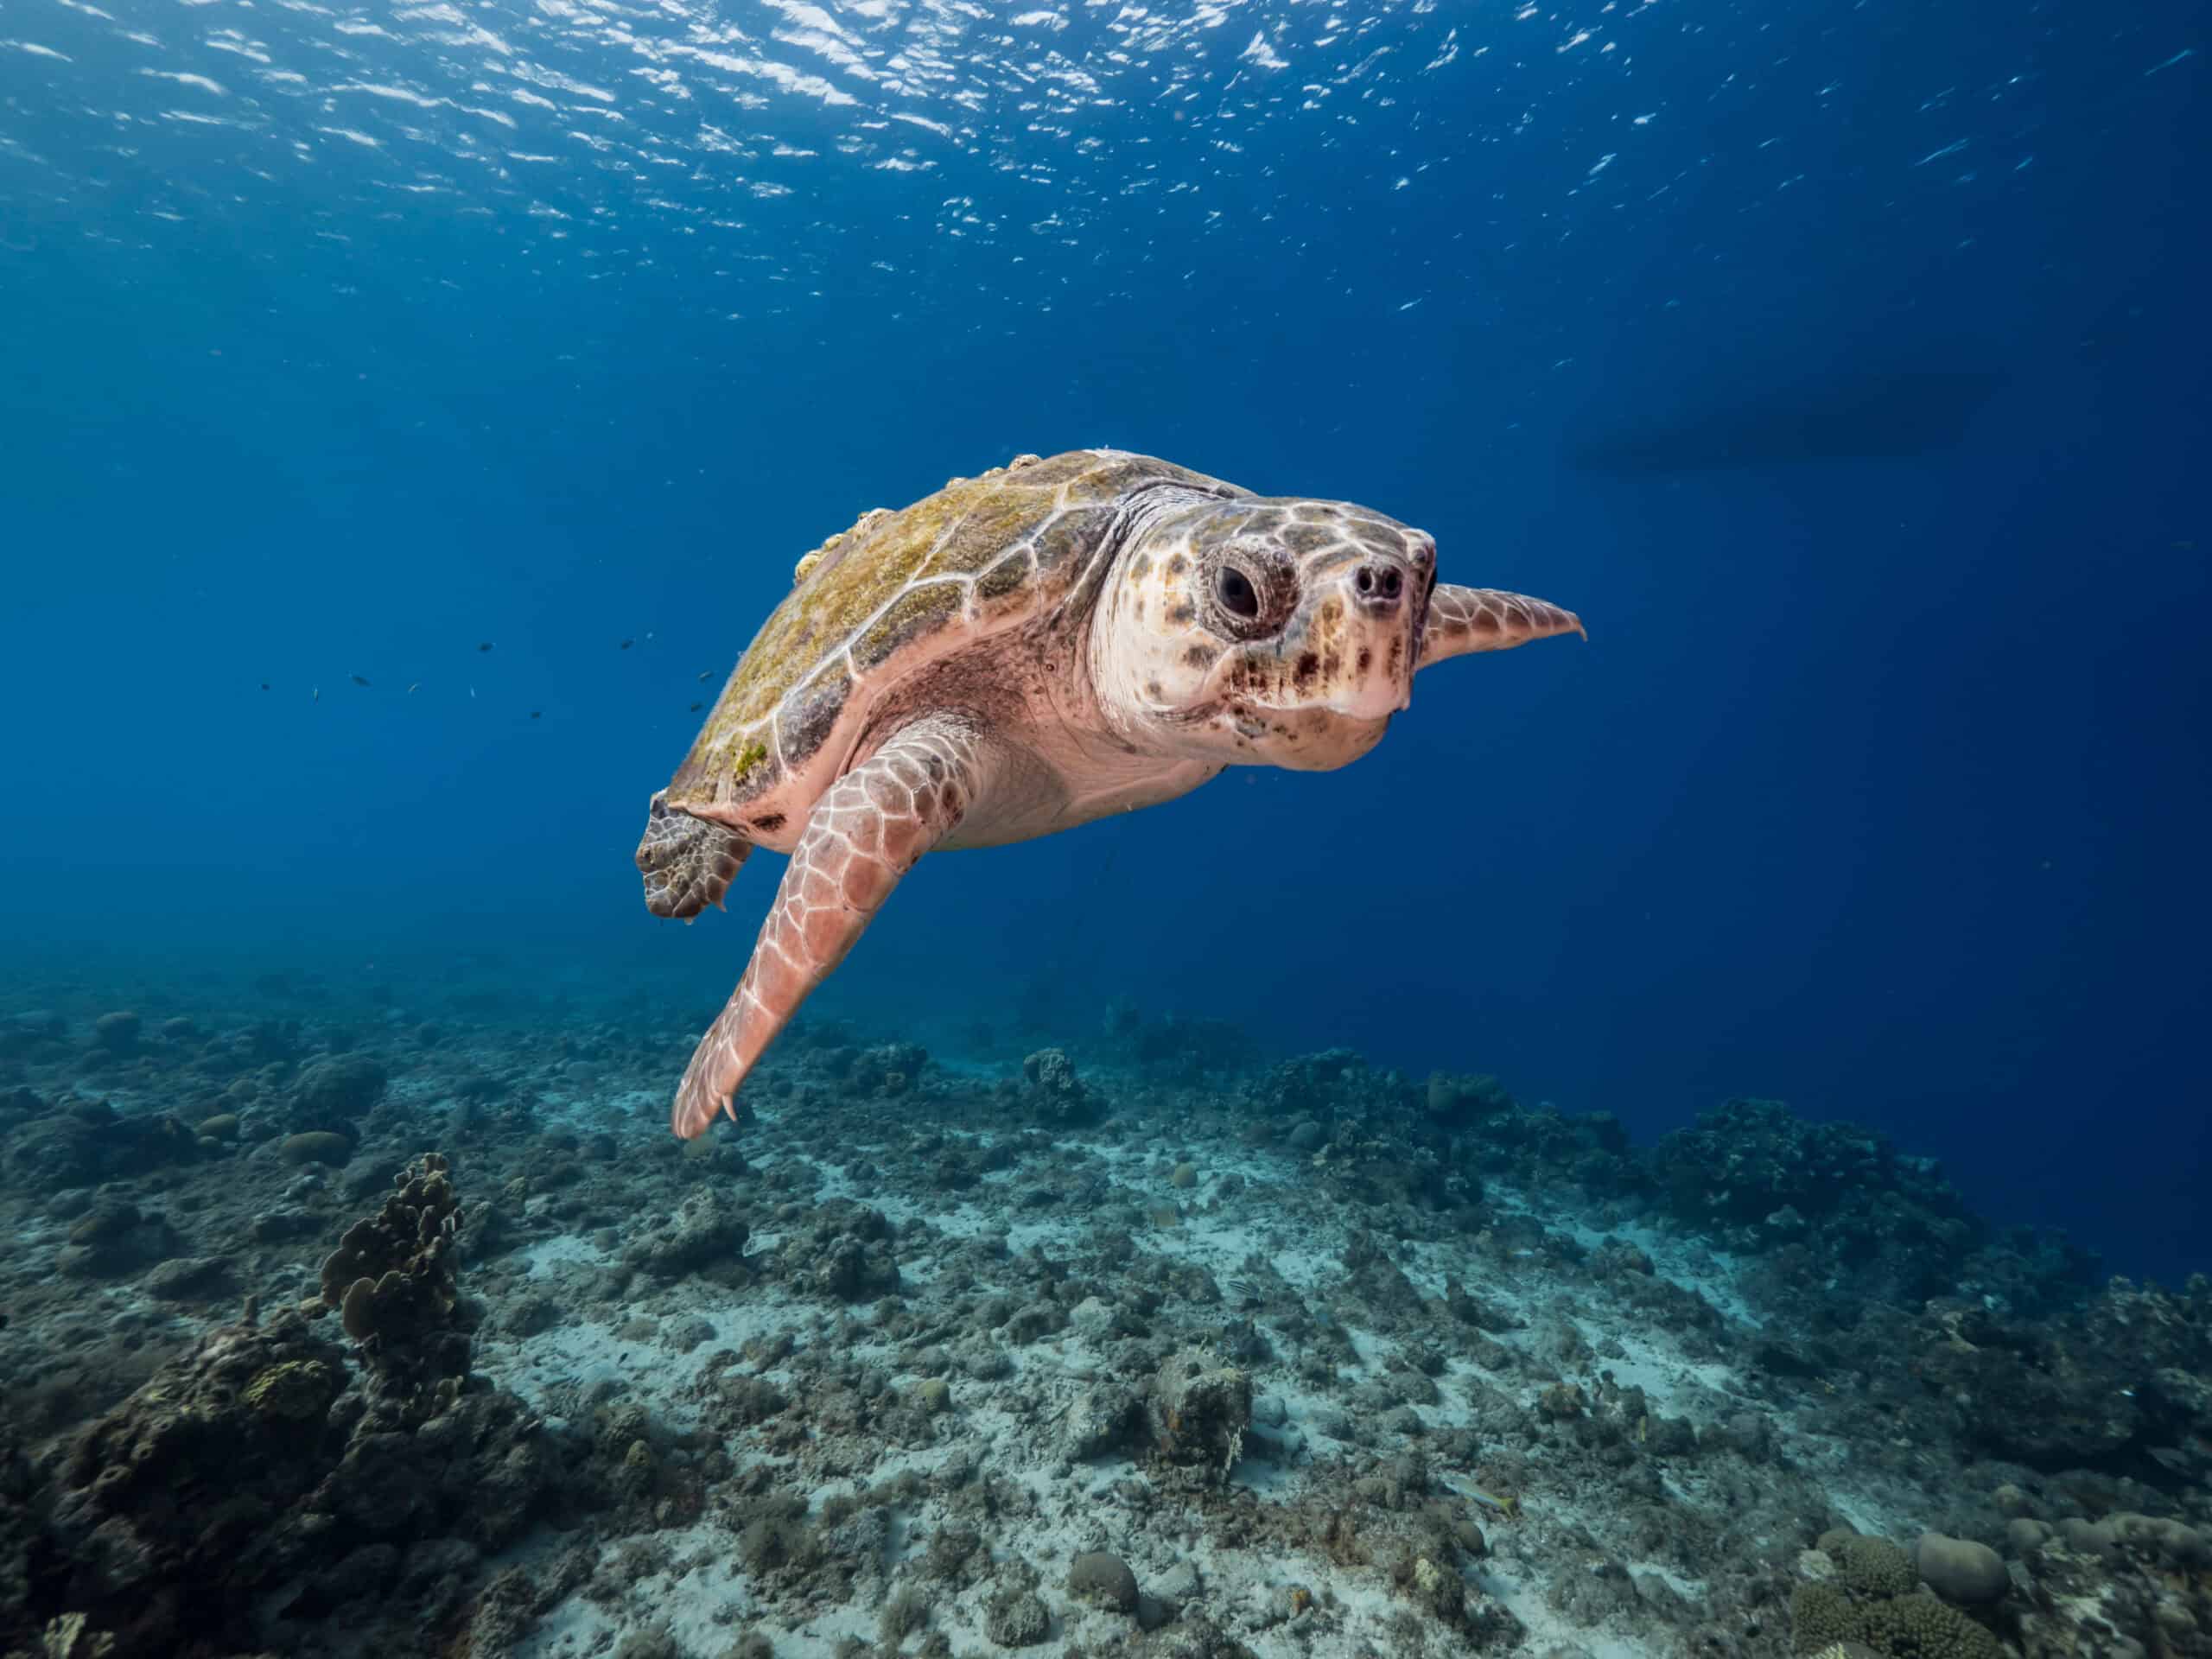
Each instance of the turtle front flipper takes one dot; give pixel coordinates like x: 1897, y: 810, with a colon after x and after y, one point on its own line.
x: 688, y: 862
x: 1461, y: 620
x: 865, y: 832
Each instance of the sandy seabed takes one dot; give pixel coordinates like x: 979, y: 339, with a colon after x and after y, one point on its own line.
x: 1139, y: 1345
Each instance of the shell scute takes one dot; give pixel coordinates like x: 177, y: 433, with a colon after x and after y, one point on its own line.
x: 1009, y: 576
x: 913, y: 614
x: 1061, y: 542
x: 1052, y: 471
x: 981, y: 534
x: 810, y: 714
x: 1116, y: 477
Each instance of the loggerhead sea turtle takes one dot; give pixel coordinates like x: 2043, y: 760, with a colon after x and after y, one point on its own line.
x: 1022, y: 652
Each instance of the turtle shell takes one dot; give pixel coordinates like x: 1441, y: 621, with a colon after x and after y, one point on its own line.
x: 982, y: 556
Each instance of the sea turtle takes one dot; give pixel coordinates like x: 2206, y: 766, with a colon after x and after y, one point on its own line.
x: 1021, y: 652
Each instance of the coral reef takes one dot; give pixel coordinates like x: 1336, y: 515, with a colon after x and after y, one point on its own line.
x: 255, y: 1485
x: 1056, y: 1094
x: 1199, y: 1413
x: 1114, y: 1342
x: 2116, y: 1383
x: 391, y: 1282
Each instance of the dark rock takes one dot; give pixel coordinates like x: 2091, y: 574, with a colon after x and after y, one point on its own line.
x: 246, y: 1415
x: 22, y: 1541
x: 365, y: 1178
x: 272, y: 1225
x: 1103, y: 1579
x: 1960, y: 1570
x: 30, y: 1031
x: 658, y: 1643
x: 1103, y: 1417
x: 316, y: 1147
x: 1336, y: 1082
x: 1037, y: 1321
x: 2116, y: 1385
x: 1457, y: 1102
x: 70, y: 1203
x: 1055, y: 1095
x: 112, y: 1239
x: 841, y: 1250
x: 133, y: 1146
x: 1016, y: 1617
x: 330, y: 1093
x: 889, y: 1070
x: 183, y: 1277
x: 107, y: 1219
x: 705, y: 1232
x: 438, y: 1576
x: 529, y: 1315
x: 117, y: 1033
x: 1199, y: 1413
x: 1842, y: 1197
x: 50, y: 1152
x: 362, y: 1573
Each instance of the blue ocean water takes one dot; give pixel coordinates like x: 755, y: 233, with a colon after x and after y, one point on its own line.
x: 1844, y: 365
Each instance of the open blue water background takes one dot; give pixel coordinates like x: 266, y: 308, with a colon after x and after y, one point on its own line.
x: 1845, y: 365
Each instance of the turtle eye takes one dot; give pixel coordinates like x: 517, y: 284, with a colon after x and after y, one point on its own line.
x: 1235, y: 591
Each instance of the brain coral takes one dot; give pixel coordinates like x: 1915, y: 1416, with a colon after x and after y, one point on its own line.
x: 1920, y: 1627
x: 1869, y: 1567
x: 1916, y: 1627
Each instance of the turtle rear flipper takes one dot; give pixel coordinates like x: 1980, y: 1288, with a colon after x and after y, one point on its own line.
x: 688, y: 862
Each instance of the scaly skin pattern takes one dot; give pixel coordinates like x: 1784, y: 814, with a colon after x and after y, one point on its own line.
x: 867, y: 831
x: 1461, y: 620
x: 688, y: 862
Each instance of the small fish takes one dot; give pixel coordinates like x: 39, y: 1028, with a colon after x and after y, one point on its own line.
x: 696, y: 707
x: 486, y: 646
x: 358, y: 680
x: 708, y: 675
x: 411, y: 690
x: 1507, y: 1506
x: 472, y: 694
x: 535, y: 713
x: 264, y: 685
x: 318, y: 694
x: 626, y: 644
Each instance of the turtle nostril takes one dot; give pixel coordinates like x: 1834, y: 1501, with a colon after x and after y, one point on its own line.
x: 1377, y: 586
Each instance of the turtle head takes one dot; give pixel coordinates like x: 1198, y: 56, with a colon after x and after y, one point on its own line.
x: 1268, y: 632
